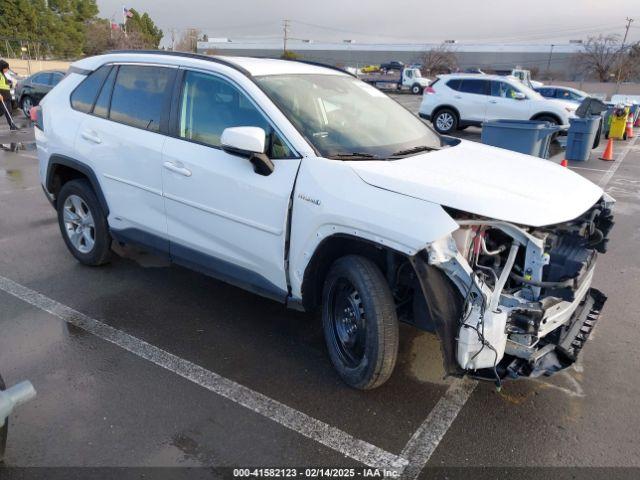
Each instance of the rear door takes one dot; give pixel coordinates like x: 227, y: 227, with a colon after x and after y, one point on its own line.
x: 122, y: 138
x: 503, y: 105
x: 471, y: 99
x: 223, y: 218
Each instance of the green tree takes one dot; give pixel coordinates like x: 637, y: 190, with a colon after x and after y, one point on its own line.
x: 145, y: 27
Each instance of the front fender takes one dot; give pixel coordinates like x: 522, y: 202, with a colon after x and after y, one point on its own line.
x: 331, y: 199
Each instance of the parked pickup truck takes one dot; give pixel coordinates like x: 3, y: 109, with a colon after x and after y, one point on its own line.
x: 405, y: 78
x: 308, y: 186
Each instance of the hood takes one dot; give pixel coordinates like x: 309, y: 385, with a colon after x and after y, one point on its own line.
x: 488, y: 181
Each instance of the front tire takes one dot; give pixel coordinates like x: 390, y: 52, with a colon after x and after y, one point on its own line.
x: 445, y: 121
x: 416, y: 89
x: 360, y: 323
x: 83, y: 223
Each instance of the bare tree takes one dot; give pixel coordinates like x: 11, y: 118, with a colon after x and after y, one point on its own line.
x: 188, y: 41
x: 440, y: 59
x: 601, y: 56
x: 630, y: 63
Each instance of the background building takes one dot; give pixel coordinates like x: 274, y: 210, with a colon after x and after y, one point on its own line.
x: 557, y: 58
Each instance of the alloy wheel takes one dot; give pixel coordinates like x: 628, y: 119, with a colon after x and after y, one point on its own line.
x: 79, y: 224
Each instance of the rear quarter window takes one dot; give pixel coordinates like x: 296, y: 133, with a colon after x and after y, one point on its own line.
x: 454, y: 84
x: 84, y: 96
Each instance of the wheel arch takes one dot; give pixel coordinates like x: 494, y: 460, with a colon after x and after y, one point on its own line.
x: 437, y: 109
x: 547, y: 114
x: 332, y: 248
x: 61, y: 169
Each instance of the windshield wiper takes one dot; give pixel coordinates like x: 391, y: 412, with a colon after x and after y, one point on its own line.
x: 410, y: 151
x: 353, y: 156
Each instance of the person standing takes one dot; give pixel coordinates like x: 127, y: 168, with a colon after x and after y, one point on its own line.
x: 5, y: 94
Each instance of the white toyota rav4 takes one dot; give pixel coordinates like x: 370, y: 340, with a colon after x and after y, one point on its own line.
x: 303, y: 184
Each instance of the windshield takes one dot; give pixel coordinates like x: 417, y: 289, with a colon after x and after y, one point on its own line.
x: 343, y: 117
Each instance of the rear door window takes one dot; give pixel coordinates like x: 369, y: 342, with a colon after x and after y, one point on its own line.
x: 84, y: 96
x: 140, y: 95
x: 477, y: 87
x: 42, y: 79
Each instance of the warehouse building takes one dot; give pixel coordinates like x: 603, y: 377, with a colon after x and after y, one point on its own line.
x: 558, y: 58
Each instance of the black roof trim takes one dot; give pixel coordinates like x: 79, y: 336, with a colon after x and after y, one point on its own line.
x: 195, y: 56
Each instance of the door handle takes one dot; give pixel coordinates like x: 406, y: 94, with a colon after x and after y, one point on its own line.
x: 177, y: 169
x: 493, y: 101
x: 457, y: 96
x: 91, y: 137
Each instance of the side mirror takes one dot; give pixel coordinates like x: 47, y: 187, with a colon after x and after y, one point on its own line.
x: 248, y: 142
x: 519, y: 96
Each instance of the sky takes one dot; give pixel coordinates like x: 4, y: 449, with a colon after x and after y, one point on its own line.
x: 391, y: 21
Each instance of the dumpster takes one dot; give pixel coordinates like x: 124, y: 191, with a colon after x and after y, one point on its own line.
x: 618, y: 123
x: 581, y: 137
x: 525, y: 136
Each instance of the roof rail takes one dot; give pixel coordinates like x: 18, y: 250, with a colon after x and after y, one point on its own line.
x: 195, y: 56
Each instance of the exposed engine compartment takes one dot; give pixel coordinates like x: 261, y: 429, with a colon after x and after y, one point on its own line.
x: 527, y: 304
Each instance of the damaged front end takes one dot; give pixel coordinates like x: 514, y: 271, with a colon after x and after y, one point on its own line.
x: 527, y: 305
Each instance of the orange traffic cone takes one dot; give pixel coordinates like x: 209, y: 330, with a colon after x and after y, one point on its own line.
x: 564, y: 163
x: 630, y: 128
x: 608, y: 152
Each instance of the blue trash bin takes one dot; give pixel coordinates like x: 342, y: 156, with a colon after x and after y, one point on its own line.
x: 525, y: 136
x: 580, y: 137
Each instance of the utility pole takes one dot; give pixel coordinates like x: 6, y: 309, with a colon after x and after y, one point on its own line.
x: 549, y: 61
x: 285, y: 28
x: 624, y: 40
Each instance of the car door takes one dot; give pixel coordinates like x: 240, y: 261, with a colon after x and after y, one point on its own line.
x: 223, y: 218
x: 34, y: 87
x: 503, y: 103
x: 471, y: 99
x: 122, y: 138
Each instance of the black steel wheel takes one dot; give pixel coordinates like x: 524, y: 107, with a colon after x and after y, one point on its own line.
x: 360, y: 322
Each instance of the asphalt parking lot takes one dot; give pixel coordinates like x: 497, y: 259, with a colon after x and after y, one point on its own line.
x: 140, y: 363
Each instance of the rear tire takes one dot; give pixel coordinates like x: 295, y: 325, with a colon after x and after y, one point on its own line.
x: 360, y: 323
x: 445, y: 121
x: 25, y: 104
x: 83, y: 223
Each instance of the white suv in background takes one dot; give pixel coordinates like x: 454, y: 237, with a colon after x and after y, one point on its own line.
x: 308, y: 186
x: 453, y: 102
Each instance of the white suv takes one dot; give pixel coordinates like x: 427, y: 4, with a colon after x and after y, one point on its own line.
x: 457, y: 101
x: 303, y: 184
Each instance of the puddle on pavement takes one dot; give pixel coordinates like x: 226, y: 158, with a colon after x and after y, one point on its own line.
x: 426, y: 360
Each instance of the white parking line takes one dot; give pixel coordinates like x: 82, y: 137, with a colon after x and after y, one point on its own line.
x: 426, y: 439
x: 590, y: 169
x: 618, y: 161
x: 288, y: 417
